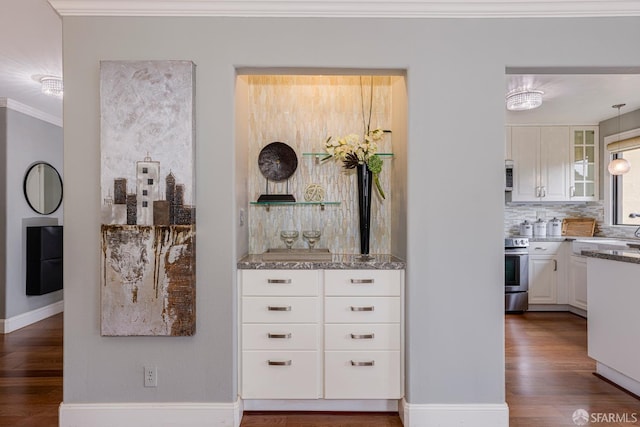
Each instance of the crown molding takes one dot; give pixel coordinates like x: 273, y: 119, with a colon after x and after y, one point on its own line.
x: 351, y: 8
x: 30, y: 111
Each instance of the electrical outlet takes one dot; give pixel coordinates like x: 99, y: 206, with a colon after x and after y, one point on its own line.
x: 150, y: 376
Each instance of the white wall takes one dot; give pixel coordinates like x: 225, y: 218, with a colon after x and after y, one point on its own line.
x: 455, y: 85
x: 28, y: 140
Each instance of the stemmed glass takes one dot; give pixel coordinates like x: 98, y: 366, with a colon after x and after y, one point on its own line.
x: 289, y: 237
x: 312, y: 236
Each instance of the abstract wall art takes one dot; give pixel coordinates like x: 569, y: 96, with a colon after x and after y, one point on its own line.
x: 147, y: 145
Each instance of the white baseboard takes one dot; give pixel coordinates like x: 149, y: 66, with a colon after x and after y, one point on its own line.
x: 150, y: 414
x: 30, y: 317
x: 548, y: 307
x: 368, y: 405
x: 459, y: 415
x: 616, y: 377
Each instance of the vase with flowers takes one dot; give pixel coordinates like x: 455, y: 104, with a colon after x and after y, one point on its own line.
x: 360, y: 153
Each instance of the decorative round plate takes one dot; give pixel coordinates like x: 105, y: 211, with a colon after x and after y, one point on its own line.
x: 277, y: 161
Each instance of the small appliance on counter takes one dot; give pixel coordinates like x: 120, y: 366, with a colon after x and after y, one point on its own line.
x: 540, y: 228
x: 526, y: 229
x: 554, y: 228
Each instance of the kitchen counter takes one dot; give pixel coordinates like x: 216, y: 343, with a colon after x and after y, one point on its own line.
x: 338, y: 262
x: 628, y: 255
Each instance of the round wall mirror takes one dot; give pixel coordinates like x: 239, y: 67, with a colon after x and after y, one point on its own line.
x: 43, y: 188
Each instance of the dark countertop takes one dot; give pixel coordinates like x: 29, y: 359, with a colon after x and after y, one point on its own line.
x: 626, y: 255
x: 338, y: 262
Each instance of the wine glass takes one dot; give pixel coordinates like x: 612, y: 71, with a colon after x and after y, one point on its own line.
x: 312, y: 236
x: 289, y: 237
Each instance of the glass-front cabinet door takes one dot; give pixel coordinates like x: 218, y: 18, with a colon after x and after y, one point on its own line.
x: 584, y: 163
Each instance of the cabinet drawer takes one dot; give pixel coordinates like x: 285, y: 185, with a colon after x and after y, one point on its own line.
x: 362, y: 336
x: 260, y: 336
x: 280, y: 375
x: 362, y: 309
x: 280, y: 309
x: 280, y: 282
x: 362, y: 375
x: 362, y: 282
x: 544, y: 248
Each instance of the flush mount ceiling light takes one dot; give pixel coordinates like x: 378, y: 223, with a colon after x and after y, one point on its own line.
x: 524, y: 99
x: 52, y: 86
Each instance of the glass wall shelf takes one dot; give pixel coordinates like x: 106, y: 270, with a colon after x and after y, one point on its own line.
x: 320, y: 157
x: 269, y: 204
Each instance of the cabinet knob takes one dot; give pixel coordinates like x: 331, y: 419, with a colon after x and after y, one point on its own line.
x: 369, y: 308
x: 369, y: 363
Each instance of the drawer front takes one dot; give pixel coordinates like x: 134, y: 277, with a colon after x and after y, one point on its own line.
x: 280, y: 282
x: 362, y: 309
x: 280, y: 309
x: 362, y: 375
x: 260, y: 336
x: 544, y: 248
x: 362, y: 336
x: 291, y: 375
x: 362, y: 282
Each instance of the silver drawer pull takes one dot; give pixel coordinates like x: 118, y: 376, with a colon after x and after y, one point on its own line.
x: 370, y: 308
x: 362, y: 337
x: 279, y: 362
x: 287, y: 335
x: 370, y: 363
x: 279, y: 308
x: 361, y: 281
x: 282, y: 281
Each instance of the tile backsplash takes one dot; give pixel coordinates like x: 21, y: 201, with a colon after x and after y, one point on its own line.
x: 516, y: 213
x: 302, y: 111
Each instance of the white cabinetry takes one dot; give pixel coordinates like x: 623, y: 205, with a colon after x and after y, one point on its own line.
x: 311, y: 334
x: 578, y: 282
x: 584, y: 163
x: 281, y: 336
x: 544, y: 271
x: 541, y: 156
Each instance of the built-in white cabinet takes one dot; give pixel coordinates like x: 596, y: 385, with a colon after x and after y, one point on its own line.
x: 578, y: 282
x: 584, y: 163
x: 313, y: 334
x: 544, y: 272
x: 541, y: 157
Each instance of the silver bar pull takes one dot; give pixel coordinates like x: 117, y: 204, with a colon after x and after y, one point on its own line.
x: 279, y: 281
x: 362, y: 336
x: 370, y: 363
x: 555, y: 265
x: 285, y: 336
x: 279, y: 362
x: 369, y: 308
x: 279, y: 308
x: 361, y: 281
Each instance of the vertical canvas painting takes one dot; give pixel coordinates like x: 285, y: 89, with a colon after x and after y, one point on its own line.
x: 148, y: 208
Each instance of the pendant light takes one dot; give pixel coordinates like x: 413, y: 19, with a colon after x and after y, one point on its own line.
x: 620, y: 165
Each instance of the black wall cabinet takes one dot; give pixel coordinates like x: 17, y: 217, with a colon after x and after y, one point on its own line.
x: 44, y: 259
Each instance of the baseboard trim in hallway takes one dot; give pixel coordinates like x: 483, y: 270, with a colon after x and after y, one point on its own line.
x: 25, y: 319
x: 166, y: 414
x: 476, y: 415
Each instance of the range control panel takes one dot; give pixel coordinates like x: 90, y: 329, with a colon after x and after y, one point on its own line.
x: 516, y: 242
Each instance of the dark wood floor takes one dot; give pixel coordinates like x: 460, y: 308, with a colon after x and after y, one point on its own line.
x: 548, y: 376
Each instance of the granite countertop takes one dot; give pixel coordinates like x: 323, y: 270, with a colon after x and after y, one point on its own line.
x: 625, y: 255
x: 338, y: 262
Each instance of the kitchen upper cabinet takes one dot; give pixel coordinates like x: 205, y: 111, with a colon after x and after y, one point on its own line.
x: 584, y: 163
x: 541, y: 156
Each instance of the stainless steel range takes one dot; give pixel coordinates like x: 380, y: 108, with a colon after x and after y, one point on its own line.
x: 516, y: 274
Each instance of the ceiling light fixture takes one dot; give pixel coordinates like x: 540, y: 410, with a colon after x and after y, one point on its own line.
x: 52, y: 86
x: 619, y: 165
x: 524, y: 99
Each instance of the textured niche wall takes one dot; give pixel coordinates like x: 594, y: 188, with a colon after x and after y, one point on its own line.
x: 302, y: 111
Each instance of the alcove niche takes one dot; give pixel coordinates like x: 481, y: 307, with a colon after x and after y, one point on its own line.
x: 302, y: 108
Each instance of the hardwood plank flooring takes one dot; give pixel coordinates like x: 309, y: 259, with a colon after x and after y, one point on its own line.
x: 31, y: 375
x: 548, y: 377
